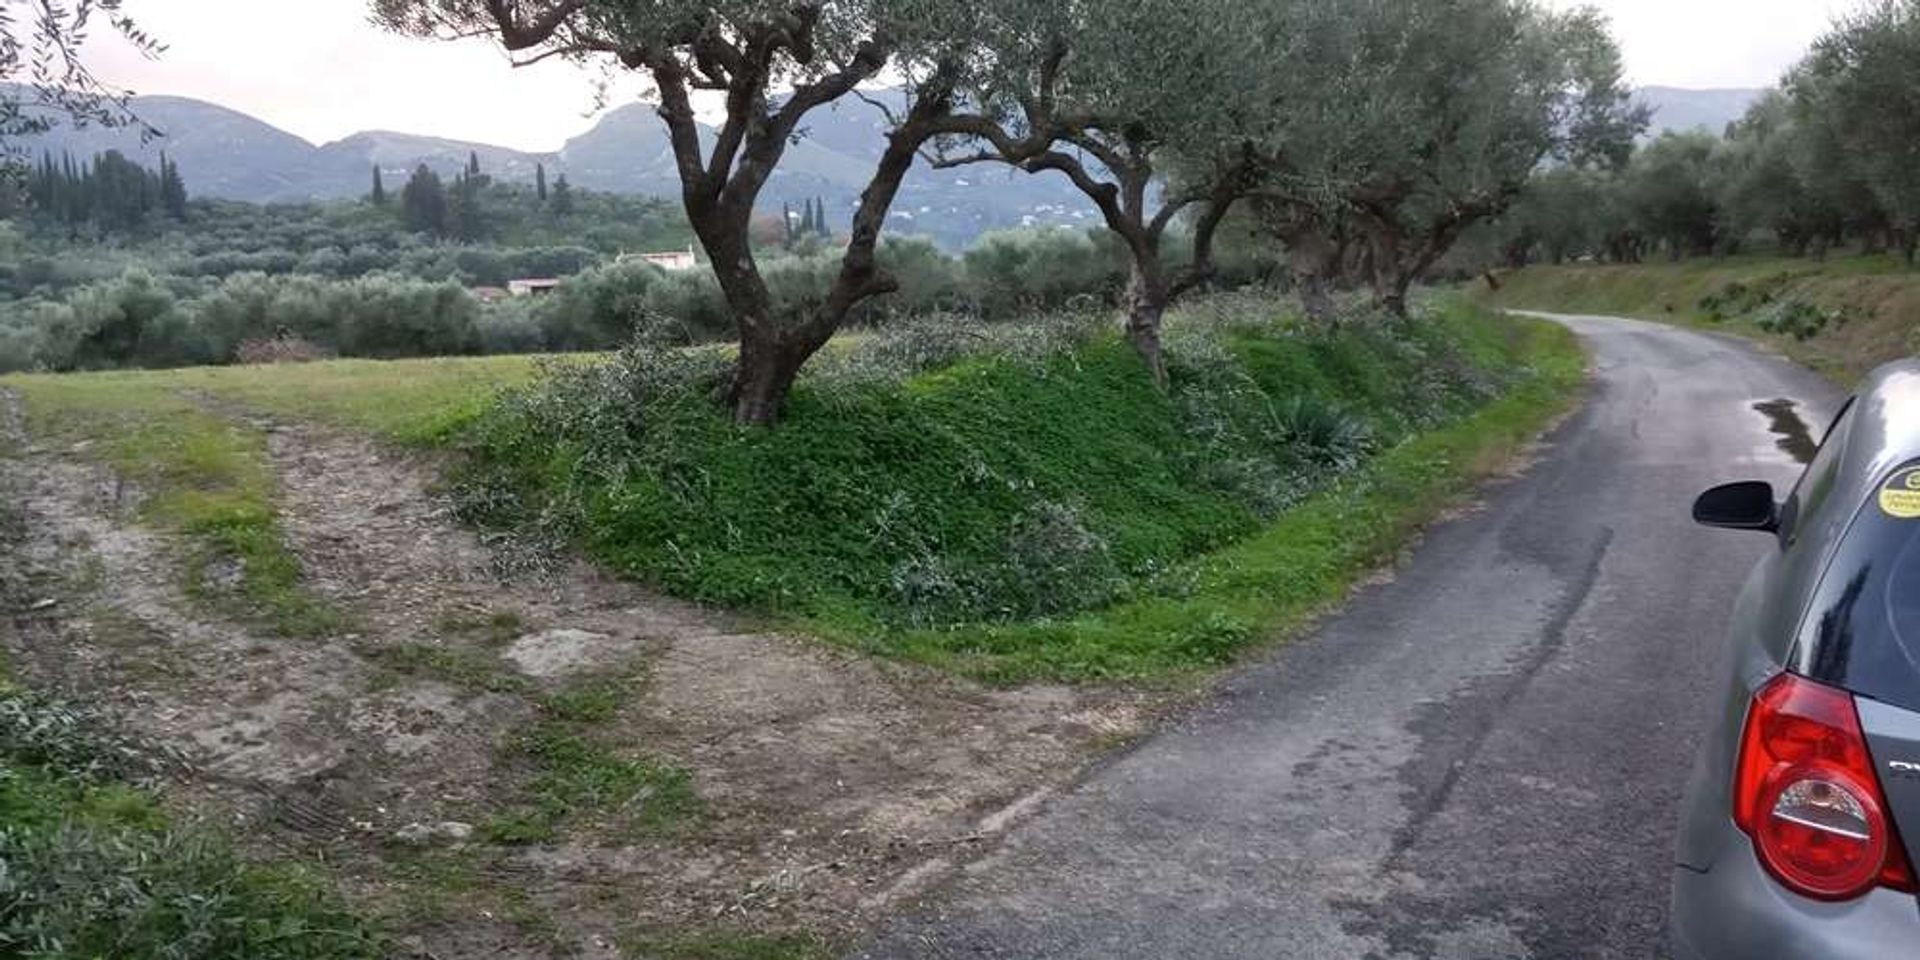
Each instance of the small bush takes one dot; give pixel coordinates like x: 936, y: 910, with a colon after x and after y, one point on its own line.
x: 515, y: 325
x: 68, y: 742
x: 601, y: 308
x: 1323, y: 433
x: 82, y: 889
x: 1737, y: 299
x: 1797, y: 319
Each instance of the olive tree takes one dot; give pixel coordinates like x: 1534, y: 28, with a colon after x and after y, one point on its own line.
x: 1462, y: 100
x: 1334, y: 122
x: 772, y: 62
x: 1671, y: 189
x: 1827, y: 164
x: 1767, y: 183
x: 1143, y: 105
x: 1864, y: 77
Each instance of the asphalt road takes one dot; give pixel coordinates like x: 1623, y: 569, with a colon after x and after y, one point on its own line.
x: 1479, y: 760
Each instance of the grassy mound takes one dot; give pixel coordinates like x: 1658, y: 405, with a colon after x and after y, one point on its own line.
x: 1843, y: 316
x: 974, y: 496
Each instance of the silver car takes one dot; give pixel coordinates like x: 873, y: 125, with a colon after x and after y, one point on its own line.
x: 1791, y: 839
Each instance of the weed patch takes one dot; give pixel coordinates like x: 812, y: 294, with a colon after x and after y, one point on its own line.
x: 574, y: 776
x: 90, y: 866
x: 462, y: 668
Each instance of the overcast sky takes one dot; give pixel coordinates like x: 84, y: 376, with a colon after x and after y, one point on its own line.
x: 318, y: 69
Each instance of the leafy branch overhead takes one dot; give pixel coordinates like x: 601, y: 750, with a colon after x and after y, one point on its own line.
x: 44, y: 81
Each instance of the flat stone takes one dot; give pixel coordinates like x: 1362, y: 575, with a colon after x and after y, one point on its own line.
x: 421, y: 834
x: 559, y: 653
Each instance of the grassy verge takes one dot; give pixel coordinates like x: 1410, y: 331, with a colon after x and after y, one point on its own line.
x: 1270, y: 584
x: 1842, y: 317
x: 92, y: 867
x: 1030, y: 507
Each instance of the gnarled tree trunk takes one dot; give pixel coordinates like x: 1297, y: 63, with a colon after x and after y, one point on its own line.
x: 1147, y: 297
x: 1314, y: 258
x: 774, y: 347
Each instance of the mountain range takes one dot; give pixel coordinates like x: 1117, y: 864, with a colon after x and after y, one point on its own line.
x: 1682, y: 110
x: 226, y: 153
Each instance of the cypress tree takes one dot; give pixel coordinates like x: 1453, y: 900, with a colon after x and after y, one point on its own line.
x: 473, y: 163
x: 820, y: 218
x: 173, y: 189
x: 562, y: 196
x: 423, y: 202
x: 540, y: 181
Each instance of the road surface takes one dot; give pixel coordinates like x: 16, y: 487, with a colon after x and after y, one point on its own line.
x: 1479, y: 760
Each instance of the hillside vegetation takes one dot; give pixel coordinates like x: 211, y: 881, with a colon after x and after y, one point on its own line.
x: 1021, y: 502
x: 1843, y: 317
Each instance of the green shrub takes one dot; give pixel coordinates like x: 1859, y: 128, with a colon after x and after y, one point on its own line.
x: 1797, y: 319
x: 22, y: 345
x: 1015, y: 272
x: 93, y: 889
x: 687, y: 306
x: 1737, y: 299
x: 601, y: 308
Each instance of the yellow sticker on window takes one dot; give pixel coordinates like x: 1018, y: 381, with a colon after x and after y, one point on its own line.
x: 1900, y: 498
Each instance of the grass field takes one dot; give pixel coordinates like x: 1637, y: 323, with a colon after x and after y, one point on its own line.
x: 1866, y: 309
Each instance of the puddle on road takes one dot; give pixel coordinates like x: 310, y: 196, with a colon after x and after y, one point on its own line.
x: 1789, y: 429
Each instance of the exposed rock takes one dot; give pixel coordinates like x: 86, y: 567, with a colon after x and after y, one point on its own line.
x: 558, y: 653
x: 422, y: 834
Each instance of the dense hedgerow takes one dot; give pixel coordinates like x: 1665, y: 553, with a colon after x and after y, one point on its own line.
x: 146, y: 317
x: 949, y: 472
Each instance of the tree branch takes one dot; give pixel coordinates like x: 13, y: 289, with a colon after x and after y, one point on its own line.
x: 515, y: 35
x: 949, y: 163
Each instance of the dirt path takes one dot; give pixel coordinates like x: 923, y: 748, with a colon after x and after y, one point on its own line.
x: 828, y: 786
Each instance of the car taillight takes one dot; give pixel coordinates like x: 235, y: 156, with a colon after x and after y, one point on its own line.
x: 1805, y: 791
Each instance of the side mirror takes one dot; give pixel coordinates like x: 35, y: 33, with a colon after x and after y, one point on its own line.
x: 1748, y: 505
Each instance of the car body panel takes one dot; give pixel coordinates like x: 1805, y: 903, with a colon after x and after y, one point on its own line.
x: 1893, y: 737
x: 1737, y: 912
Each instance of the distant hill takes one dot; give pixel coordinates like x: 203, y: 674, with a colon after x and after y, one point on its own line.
x: 1682, y: 110
x: 226, y: 153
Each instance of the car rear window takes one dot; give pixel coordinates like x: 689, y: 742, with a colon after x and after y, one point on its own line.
x: 1862, y: 631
